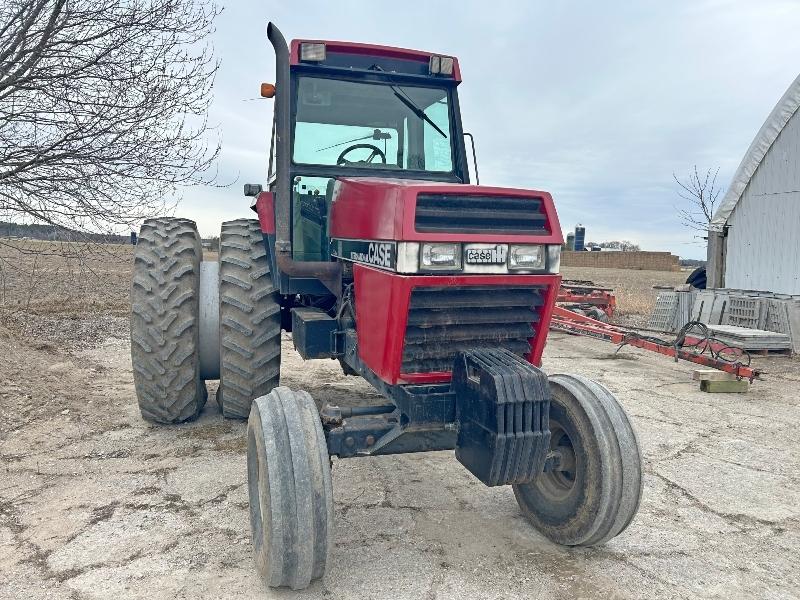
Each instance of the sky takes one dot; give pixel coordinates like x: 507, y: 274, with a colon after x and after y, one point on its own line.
x: 598, y: 103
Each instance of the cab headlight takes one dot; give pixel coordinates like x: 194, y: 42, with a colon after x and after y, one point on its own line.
x: 312, y: 52
x: 528, y: 257
x: 441, y: 65
x: 438, y: 256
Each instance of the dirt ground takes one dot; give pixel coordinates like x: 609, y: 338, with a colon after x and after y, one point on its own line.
x: 96, y: 503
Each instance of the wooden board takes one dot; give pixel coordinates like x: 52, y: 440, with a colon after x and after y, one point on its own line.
x: 712, y: 375
x: 725, y: 387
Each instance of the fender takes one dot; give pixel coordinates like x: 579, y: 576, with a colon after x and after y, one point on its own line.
x: 265, y: 209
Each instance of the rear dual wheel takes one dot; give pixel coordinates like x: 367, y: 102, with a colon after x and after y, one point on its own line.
x: 594, y: 492
x: 165, y: 333
x: 249, y: 319
x: 193, y: 321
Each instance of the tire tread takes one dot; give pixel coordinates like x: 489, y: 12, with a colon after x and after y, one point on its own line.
x: 249, y: 309
x: 164, y: 331
x: 293, y: 543
x: 619, y: 486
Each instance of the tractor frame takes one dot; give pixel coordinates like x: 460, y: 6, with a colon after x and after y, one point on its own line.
x: 438, y: 292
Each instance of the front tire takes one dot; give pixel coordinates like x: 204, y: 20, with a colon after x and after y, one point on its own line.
x: 249, y: 319
x: 289, y: 485
x: 164, y: 321
x: 595, y: 492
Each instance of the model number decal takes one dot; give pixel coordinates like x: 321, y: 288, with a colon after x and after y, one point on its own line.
x: 378, y: 254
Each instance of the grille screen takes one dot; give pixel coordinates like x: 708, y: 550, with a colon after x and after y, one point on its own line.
x: 445, y: 320
x: 445, y: 213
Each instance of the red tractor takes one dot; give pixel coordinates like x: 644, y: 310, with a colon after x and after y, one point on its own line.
x: 373, y: 248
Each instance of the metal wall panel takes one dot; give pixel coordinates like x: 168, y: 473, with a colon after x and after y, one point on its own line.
x: 763, y: 245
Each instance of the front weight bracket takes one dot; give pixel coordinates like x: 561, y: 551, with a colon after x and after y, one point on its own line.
x: 502, y: 411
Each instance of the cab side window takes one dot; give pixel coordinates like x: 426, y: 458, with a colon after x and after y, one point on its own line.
x: 272, y: 166
x: 438, y: 151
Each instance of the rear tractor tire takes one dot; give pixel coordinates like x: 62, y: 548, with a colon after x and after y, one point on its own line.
x: 289, y: 485
x: 164, y: 321
x: 249, y: 319
x: 594, y: 493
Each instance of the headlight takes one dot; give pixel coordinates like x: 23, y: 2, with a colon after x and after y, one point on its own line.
x: 445, y: 257
x: 531, y: 258
x: 312, y: 52
x: 553, y: 258
x: 441, y: 65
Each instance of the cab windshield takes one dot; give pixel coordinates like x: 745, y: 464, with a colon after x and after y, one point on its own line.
x: 353, y: 124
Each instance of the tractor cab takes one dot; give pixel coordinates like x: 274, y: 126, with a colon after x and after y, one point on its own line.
x: 365, y: 111
x: 348, y: 110
x: 369, y: 121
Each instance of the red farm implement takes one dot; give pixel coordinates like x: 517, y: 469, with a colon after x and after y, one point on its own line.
x: 693, y: 343
x: 587, y: 298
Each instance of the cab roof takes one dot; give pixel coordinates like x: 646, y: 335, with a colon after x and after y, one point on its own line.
x: 363, y: 50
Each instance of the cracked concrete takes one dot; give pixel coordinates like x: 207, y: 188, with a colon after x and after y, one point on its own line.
x: 96, y: 503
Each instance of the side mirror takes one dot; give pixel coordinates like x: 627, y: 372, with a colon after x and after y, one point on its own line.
x: 252, y: 189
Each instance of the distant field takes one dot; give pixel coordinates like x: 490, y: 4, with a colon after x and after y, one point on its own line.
x: 64, y: 278
x: 68, y: 279
x: 634, y: 289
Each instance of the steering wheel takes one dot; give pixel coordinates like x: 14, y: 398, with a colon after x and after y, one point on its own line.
x: 341, y: 161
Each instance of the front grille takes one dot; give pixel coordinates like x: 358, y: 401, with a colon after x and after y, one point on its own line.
x: 446, y: 213
x: 445, y: 320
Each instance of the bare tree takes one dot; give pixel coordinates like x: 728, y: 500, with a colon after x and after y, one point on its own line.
x: 702, y: 193
x: 103, y: 108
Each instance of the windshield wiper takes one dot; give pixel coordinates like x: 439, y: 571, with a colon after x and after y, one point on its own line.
x: 375, y: 135
x: 405, y: 99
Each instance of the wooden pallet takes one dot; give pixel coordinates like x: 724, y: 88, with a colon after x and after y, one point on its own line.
x: 771, y: 352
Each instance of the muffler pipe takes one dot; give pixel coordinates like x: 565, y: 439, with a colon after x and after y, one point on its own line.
x: 329, y: 273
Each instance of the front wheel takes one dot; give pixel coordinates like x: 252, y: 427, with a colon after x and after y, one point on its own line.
x: 594, y: 491
x: 289, y: 484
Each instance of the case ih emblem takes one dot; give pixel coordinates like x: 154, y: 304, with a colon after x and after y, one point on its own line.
x: 496, y: 255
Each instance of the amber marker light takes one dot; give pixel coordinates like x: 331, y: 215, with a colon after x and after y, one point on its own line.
x: 267, y: 90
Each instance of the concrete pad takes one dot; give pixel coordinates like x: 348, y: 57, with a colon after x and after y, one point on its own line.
x: 96, y: 503
x: 732, y: 490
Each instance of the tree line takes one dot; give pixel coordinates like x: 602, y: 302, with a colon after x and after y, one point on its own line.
x: 57, y: 233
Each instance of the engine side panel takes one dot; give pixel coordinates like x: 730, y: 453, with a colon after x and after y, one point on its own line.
x: 363, y: 210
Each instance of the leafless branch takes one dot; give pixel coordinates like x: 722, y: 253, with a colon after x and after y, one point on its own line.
x: 701, y: 193
x: 103, y: 109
